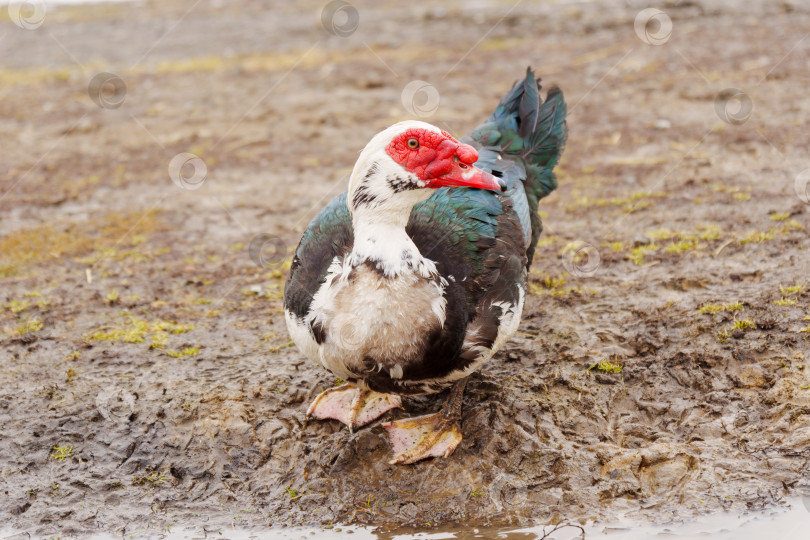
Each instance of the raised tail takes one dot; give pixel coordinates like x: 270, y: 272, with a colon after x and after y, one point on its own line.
x: 528, y: 135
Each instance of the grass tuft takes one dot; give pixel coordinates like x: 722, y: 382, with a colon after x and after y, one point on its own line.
x: 708, y: 309
x: 793, y: 289
x: 743, y: 324
x: 62, y: 452
x: 153, y: 479
x: 638, y: 253
x: 188, y: 351
x: 606, y: 366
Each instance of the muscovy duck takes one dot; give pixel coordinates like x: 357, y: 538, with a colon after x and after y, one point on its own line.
x: 409, y: 281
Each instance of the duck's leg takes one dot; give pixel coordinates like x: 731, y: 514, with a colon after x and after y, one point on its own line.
x: 352, y: 406
x: 433, y: 435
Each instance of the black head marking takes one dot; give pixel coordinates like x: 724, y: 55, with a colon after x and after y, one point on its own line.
x: 364, y: 197
x: 400, y: 183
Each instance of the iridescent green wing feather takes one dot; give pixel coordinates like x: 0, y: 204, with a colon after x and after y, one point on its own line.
x: 528, y: 135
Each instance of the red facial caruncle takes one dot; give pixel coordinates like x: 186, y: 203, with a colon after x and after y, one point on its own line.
x: 440, y: 160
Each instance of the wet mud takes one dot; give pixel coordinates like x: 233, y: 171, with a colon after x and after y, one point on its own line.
x: 148, y: 382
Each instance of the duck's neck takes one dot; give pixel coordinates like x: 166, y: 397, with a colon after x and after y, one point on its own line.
x: 380, y: 240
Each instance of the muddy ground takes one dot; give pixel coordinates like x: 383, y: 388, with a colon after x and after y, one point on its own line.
x: 148, y: 383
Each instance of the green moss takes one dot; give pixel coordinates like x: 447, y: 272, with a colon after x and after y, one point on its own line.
x: 681, y: 241
x: 173, y: 328
x: 554, y: 285
x: 637, y: 254
x: 25, y: 248
x: 682, y: 245
x: 789, y: 227
x: 784, y: 228
x: 607, y: 366
x: 16, y: 306
x: 793, y: 289
x: 25, y: 327
x: 61, y: 452
x: 152, y: 479
x: 135, y: 330
x: 629, y: 203
x: 546, y: 241
x: 743, y: 324
x: 786, y: 301
x: 293, y: 493
x: 708, y: 309
x: 708, y: 232
x: 756, y: 237
x: 188, y: 351
x: 158, y: 340
x: 661, y: 234
x: 553, y: 282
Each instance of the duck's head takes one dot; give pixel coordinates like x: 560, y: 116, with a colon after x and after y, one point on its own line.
x: 405, y: 163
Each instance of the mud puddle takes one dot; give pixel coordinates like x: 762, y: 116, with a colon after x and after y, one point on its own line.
x: 789, y: 520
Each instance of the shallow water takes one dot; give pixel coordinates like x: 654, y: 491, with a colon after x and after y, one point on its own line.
x: 787, y: 521
x: 790, y: 521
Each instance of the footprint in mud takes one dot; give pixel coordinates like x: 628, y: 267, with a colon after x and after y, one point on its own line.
x: 667, y: 475
x: 658, y: 470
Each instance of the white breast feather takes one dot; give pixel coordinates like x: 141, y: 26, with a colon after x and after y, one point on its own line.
x: 369, y: 316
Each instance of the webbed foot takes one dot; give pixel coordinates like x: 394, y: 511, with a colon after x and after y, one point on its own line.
x: 352, y: 406
x: 432, y: 435
x: 414, y: 439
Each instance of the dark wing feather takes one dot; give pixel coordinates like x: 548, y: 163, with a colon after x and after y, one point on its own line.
x: 328, y: 235
x: 528, y: 135
x: 476, y: 241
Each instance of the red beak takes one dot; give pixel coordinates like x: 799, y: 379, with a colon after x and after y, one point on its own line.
x: 464, y: 175
x: 454, y: 168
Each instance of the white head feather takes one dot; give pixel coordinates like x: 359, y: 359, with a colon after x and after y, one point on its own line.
x: 379, y: 213
x: 375, y: 166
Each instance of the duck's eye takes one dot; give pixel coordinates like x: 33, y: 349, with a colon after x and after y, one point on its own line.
x: 413, y: 143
